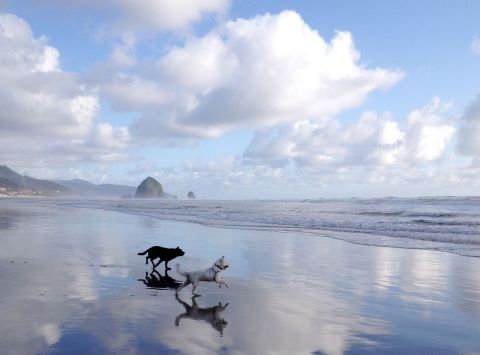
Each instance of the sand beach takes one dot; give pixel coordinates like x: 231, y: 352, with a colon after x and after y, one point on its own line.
x: 72, y: 283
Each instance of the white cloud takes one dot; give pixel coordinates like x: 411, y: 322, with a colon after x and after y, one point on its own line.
x: 166, y: 14
x: 259, y: 72
x: 201, y: 66
x: 429, y: 132
x: 130, y: 17
x: 273, y: 73
x: 475, y: 45
x: 20, y: 52
x: 123, y: 52
x: 272, y: 146
x: 372, y: 140
x: 469, y: 132
x: 109, y: 137
x: 47, y: 115
x: 37, y: 98
x: 132, y: 93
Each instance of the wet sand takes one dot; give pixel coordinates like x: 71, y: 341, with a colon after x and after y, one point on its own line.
x: 72, y: 283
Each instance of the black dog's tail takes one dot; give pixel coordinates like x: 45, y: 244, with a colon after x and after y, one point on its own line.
x: 145, y: 252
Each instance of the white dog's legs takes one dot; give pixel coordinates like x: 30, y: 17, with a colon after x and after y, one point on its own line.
x: 222, y: 283
x: 194, y: 287
x: 185, y: 283
x: 219, y: 281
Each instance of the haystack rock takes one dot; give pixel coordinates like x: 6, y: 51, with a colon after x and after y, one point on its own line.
x: 150, y: 188
x: 191, y: 195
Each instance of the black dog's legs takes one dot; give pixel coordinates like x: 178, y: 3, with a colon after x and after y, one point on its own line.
x: 166, y: 266
x: 146, y: 260
x: 154, y: 266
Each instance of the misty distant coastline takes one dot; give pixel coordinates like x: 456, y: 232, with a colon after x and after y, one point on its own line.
x: 12, y: 184
x: 84, y: 188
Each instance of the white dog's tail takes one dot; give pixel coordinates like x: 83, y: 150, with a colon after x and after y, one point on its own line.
x: 177, y: 266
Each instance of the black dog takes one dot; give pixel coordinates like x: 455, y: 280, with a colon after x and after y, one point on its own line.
x: 165, y: 254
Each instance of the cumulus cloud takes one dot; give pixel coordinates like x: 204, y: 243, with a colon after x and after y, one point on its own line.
x: 47, y: 115
x: 428, y: 132
x: 469, y: 132
x: 258, y: 72
x: 373, y: 151
x: 107, y: 136
x: 273, y: 73
x: 36, y: 96
x: 371, y: 140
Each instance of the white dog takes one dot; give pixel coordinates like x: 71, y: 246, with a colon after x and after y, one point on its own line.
x: 210, y: 274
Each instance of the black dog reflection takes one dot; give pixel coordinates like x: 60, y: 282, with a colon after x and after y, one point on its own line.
x: 155, y: 280
x: 210, y: 314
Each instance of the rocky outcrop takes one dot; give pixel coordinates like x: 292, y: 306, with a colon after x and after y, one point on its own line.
x: 191, y: 195
x: 150, y: 188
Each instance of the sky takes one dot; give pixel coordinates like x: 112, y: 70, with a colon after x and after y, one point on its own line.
x: 238, y: 99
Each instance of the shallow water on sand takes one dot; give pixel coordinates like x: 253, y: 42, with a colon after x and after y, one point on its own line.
x: 71, y: 282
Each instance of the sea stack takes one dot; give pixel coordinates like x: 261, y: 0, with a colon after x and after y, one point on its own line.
x: 191, y: 195
x: 150, y: 188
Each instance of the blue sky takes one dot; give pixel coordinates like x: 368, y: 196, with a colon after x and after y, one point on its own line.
x: 245, y: 99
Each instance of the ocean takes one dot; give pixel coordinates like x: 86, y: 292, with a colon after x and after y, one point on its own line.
x: 449, y: 224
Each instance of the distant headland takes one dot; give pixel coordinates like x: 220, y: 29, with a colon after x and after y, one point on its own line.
x: 13, y: 184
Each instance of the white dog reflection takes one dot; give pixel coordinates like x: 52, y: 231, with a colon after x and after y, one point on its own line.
x: 209, y: 314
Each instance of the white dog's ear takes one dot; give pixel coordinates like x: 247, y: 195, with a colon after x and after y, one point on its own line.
x: 223, y: 257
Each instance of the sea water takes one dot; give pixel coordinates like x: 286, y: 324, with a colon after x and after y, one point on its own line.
x: 450, y: 224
